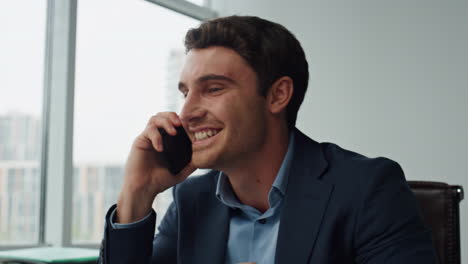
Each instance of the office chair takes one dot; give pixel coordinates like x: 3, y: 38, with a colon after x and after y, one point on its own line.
x: 439, y: 204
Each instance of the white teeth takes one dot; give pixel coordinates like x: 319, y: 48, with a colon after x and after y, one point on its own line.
x: 205, y: 134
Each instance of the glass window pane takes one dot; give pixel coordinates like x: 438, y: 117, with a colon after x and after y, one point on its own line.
x: 22, y: 41
x: 129, y: 54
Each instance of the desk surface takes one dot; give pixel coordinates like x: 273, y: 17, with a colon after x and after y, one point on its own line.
x: 50, y: 255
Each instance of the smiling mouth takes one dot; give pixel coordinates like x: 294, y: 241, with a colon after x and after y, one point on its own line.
x: 205, y: 134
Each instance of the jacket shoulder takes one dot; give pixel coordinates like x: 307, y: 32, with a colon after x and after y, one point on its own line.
x: 338, y: 156
x: 351, y: 167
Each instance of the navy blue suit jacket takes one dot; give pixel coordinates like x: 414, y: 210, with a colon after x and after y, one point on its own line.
x: 340, y: 207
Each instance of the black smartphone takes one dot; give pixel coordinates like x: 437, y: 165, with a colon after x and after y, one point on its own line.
x: 177, y: 151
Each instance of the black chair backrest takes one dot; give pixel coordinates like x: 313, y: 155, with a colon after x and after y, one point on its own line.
x: 439, y: 204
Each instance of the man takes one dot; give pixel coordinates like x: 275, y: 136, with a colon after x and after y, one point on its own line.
x: 273, y: 195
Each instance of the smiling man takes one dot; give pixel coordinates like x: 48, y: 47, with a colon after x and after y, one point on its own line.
x: 273, y: 195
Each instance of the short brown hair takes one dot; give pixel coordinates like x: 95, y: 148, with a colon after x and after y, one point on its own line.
x: 269, y: 48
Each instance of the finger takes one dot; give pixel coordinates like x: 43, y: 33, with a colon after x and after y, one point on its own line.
x: 174, y: 118
x: 164, y: 121
x: 143, y: 142
x: 155, y: 137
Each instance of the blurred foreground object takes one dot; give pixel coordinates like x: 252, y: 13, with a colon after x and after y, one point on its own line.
x: 58, y: 255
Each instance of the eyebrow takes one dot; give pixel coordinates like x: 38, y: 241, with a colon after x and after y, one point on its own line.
x: 209, y: 77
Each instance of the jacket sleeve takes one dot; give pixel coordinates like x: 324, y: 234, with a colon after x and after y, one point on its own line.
x: 389, y: 226
x: 138, y: 244
x: 127, y: 245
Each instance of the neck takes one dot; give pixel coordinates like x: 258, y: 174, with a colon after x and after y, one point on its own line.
x: 253, y: 179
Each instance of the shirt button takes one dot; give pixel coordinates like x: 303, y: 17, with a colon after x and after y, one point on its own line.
x: 262, y: 221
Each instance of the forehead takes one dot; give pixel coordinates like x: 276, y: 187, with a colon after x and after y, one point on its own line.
x: 214, y: 60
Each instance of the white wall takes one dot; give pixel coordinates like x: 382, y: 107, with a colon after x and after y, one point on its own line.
x: 388, y: 78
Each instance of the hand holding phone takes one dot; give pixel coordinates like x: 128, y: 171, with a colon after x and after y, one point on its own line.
x: 156, y: 162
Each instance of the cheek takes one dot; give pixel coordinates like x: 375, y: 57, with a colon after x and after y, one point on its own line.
x: 237, y: 111
x: 227, y: 109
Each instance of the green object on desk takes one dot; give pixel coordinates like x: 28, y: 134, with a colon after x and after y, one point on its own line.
x: 49, y: 255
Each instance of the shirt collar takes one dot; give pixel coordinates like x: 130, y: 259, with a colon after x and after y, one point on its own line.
x: 226, y: 195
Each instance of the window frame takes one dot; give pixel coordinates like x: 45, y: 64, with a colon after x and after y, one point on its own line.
x: 187, y: 8
x: 56, y: 187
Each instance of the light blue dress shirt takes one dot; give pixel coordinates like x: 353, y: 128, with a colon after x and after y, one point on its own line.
x: 252, y: 235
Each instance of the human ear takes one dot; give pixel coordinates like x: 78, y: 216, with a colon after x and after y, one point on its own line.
x: 280, y: 94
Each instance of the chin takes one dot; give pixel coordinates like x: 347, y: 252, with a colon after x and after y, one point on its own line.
x: 203, y: 161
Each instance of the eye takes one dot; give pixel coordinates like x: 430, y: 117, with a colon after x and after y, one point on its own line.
x: 214, y: 89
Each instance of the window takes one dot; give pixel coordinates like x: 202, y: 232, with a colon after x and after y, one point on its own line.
x: 22, y: 26
x: 128, y: 57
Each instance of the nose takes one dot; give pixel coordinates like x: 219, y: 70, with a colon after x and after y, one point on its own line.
x: 192, y: 110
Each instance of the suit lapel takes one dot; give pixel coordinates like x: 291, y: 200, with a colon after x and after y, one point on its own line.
x: 305, y: 203
x: 210, y: 230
